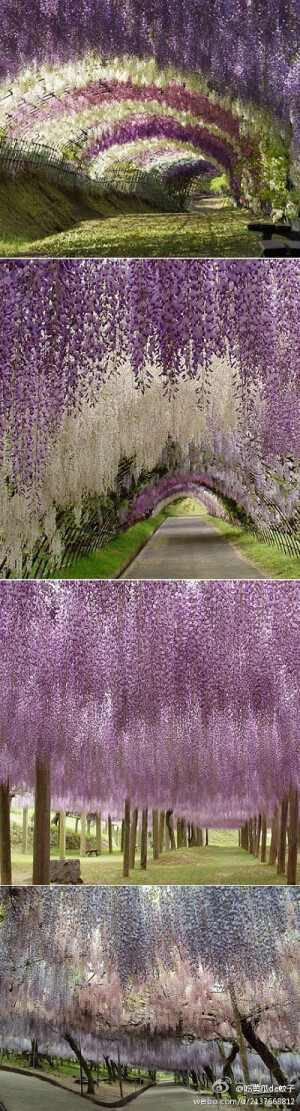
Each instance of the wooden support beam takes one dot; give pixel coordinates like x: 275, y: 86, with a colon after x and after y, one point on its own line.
x: 62, y: 835
x: 5, y: 841
x: 41, y: 831
x: 293, y: 836
x: 132, y: 843
x: 144, y: 839
x: 283, y: 815
x: 83, y: 833
x: 155, y: 834
x: 126, y: 838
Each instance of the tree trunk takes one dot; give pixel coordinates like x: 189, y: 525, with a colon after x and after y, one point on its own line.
x: 264, y: 1053
x: 184, y: 833
x: 250, y: 836
x: 83, y: 1063
x: 98, y: 833
x: 5, y: 844
x: 263, y: 839
x: 274, y: 837
x: 109, y: 826
x: 170, y: 828
x: 293, y: 837
x: 179, y: 834
x: 199, y: 837
x: 282, y: 837
x: 25, y: 831
x: 83, y: 834
x: 258, y: 833
x: 206, y: 836
x: 133, y: 838
x: 161, y: 830
x: 155, y: 834
x: 227, y: 1067
x: 122, y: 836
x: 193, y: 836
x: 144, y: 839
x: 126, y: 838
x: 240, y: 1035
x: 62, y: 834
x: 41, y: 833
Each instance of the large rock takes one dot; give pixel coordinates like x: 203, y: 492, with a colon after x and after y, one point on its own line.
x: 65, y: 871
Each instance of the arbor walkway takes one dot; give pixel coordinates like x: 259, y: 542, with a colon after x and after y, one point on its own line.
x: 171, y: 1097
x: 189, y: 548
x: 27, y: 1093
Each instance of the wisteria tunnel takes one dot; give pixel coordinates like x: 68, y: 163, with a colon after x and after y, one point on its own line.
x: 158, y: 103
x: 124, y: 383
x: 169, y: 708
x: 201, y: 983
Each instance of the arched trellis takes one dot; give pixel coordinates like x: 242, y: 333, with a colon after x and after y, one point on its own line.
x: 105, y: 364
x: 216, y: 745
x: 226, y: 963
x: 85, y: 123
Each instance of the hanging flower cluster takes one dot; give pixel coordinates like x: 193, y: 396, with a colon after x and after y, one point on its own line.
x: 102, y: 361
x: 166, y: 977
x: 80, y: 663
x: 247, y: 49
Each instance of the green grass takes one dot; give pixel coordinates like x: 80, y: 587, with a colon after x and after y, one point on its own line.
x: 111, y: 559
x: 214, y: 864
x: 41, y: 218
x: 267, y: 558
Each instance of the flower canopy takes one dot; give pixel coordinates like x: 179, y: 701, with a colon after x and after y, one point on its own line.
x: 106, y: 365
x: 178, y: 695
x: 220, y: 82
x: 152, y: 972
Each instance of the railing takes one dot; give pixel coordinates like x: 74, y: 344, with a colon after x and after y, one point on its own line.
x: 16, y: 157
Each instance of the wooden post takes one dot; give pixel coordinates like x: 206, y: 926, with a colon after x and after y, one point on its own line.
x: 161, y: 830
x: 62, y: 834
x: 5, y: 843
x: 83, y: 833
x: 98, y: 833
x: 155, y: 834
x: 122, y: 836
x: 282, y: 837
x: 41, y: 832
x: 263, y: 839
x: 274, y: 837
x: 258, y: 833
x: 132, y: 843
x: 25, y: 831
x: 126, y: 838
x: 206, y: 837
x: 109, y: 827
x: 293, y: 836
x: 144, y: 839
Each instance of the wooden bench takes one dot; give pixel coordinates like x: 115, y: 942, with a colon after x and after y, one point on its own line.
x: 65, y: 871
x: 286, y: 243
x: 89, y: 850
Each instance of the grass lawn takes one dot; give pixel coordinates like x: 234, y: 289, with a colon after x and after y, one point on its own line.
x: 41, y: 218
x: 111, y: 559
x: 214, y: 864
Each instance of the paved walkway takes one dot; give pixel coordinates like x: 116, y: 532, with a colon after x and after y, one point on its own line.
x: 189, y: 548
x: 170, y: 1097
x: 28, y: 1093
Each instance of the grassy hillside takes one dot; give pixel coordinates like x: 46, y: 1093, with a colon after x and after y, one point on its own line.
x: 39, y: 217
